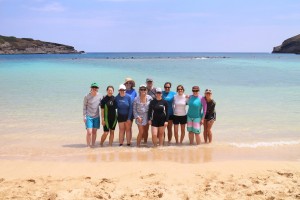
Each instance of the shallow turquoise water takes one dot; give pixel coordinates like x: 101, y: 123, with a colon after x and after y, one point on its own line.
x: 257, y: 95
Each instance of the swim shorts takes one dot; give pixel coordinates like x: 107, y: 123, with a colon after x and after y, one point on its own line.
x: 193, y: 125
x: 122, y: 118
x: 92, y: 122
x: 180, y: 119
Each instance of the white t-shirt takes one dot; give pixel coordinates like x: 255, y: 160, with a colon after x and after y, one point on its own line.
x: 179, y: 105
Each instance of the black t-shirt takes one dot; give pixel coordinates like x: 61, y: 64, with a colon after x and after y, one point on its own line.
x: 111, y: 105
x: 158, y: 110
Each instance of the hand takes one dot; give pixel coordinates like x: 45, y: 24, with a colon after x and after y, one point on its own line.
x: 140, y: 119
x: 149, y: 122
x: 103, y: 123
x: 84, y: 120
x: 187, y: 96
x: 201, y: 122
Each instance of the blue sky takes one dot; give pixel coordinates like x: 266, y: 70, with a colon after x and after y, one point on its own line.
x: 154, y: 25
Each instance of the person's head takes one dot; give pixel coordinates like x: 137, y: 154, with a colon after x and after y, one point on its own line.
x: 122, y: 90
x: 94, y: 87
x: 142, y: 90
x: 208, y: 93
x: 110, y: 90
x: 195, y: 90
x: 158, y: 93
x: 167, y: 87
x: 180, y: 89
x: 149, y: 82
x: 129, y: 83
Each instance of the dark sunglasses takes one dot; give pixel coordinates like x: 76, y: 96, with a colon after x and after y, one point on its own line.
x: 143, y: 89
x: 195, y: 90
x: 158, y: 92
x: 167, y: 87
x: 122, y: 90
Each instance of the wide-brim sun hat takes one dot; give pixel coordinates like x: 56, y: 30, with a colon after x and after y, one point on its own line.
x: 129, y: 80
x: 95, y: 85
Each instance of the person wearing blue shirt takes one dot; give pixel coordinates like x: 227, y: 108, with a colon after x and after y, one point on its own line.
x: 168, y: 95
x: 124, y: 107
x: 130, y: 84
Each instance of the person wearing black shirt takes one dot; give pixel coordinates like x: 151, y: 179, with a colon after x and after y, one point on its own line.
x: 158, y: 117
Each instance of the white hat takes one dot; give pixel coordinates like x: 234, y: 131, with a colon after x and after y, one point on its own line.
x: 122, y: 87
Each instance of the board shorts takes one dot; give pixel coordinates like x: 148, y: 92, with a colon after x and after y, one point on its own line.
x: 179, y: 119
x: 122, y: 118
x: 193, y: 125
x: 92, y: 122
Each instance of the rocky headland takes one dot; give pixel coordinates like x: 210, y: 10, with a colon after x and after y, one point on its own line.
x: 291, y: 45
x: 13, y: 45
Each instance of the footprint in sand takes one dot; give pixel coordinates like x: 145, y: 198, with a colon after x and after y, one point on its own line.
x: 147, y: 176
x: 288, y: 175
x: 31, y: 180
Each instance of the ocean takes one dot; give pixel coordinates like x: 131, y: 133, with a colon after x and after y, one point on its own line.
x: 257, y: 103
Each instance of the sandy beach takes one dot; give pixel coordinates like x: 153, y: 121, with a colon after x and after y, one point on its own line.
x: 150, y: 180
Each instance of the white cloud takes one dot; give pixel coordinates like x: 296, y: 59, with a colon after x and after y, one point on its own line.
x: 51, y: 7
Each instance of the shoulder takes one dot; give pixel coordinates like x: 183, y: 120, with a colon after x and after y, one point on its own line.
x: 149, y: 97
x: 136, y: 98
x: 213, y: 101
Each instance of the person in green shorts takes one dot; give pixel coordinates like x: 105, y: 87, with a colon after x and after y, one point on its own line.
x: 108, y: 115
x: 195, y: 115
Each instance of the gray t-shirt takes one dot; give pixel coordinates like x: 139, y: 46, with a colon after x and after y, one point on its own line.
x: 152, y: 93
x: 91, y: 105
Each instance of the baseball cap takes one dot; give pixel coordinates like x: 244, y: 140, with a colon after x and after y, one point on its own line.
x: 195, y: 88
x: 158, y: 90
x: 122, y: 87
x: 95, y: 85
x: 149, y: 80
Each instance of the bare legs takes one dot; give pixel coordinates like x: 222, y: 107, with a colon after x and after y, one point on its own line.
x: 111, y: 137
x: 170, y: 132
x: 91, y: 135
x: 158, y: 133
x: 182, y: 127
x: 191, y: 137
x: 142, y: 130
x: 145, y: 134
x: 125, y: 127
x: 207, y: 130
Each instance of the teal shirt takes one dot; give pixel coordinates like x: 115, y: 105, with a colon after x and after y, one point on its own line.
x: 169, y: 97
x: 195, y: 107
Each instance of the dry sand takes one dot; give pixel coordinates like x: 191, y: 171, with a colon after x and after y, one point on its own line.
x: 149, y: 180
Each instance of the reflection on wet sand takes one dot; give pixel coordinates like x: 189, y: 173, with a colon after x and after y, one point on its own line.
x: 180, y: 155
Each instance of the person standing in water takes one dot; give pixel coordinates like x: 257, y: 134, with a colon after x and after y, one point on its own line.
x: 168, y: 95
x: 158, y: 117
x: 108, y: 115
x: 130, y: 84
x: 195, y: 115
x: 124, y: 107
x: 91, y: 114
x: 180, y: 117
x: 151, y: 92
x: 140, y: 111
x: 210, y: 116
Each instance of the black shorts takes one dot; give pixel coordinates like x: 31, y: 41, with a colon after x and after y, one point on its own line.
x: 180, y: 119
x: 158, y: 123
x: 211, y: 117
x: 122, y: 118
x: 171, y: 117
x: 111, y: 125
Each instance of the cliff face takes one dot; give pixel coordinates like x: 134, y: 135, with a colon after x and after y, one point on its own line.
x: 13, y: 45
x: 291, y: 45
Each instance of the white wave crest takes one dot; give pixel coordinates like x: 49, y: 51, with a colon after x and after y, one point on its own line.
x: 264, y: 144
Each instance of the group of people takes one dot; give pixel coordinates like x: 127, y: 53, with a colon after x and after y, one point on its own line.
x: 149, y: 106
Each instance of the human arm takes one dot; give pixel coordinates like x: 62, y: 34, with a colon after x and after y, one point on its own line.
x: 204, y: 108
x: 84, y: 108
x: 130, y: 108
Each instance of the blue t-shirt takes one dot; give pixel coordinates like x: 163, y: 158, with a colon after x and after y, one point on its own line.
x: 124, y: 105
x: 132, y: 93
x: 169, y: 97
x: 195, y: 107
